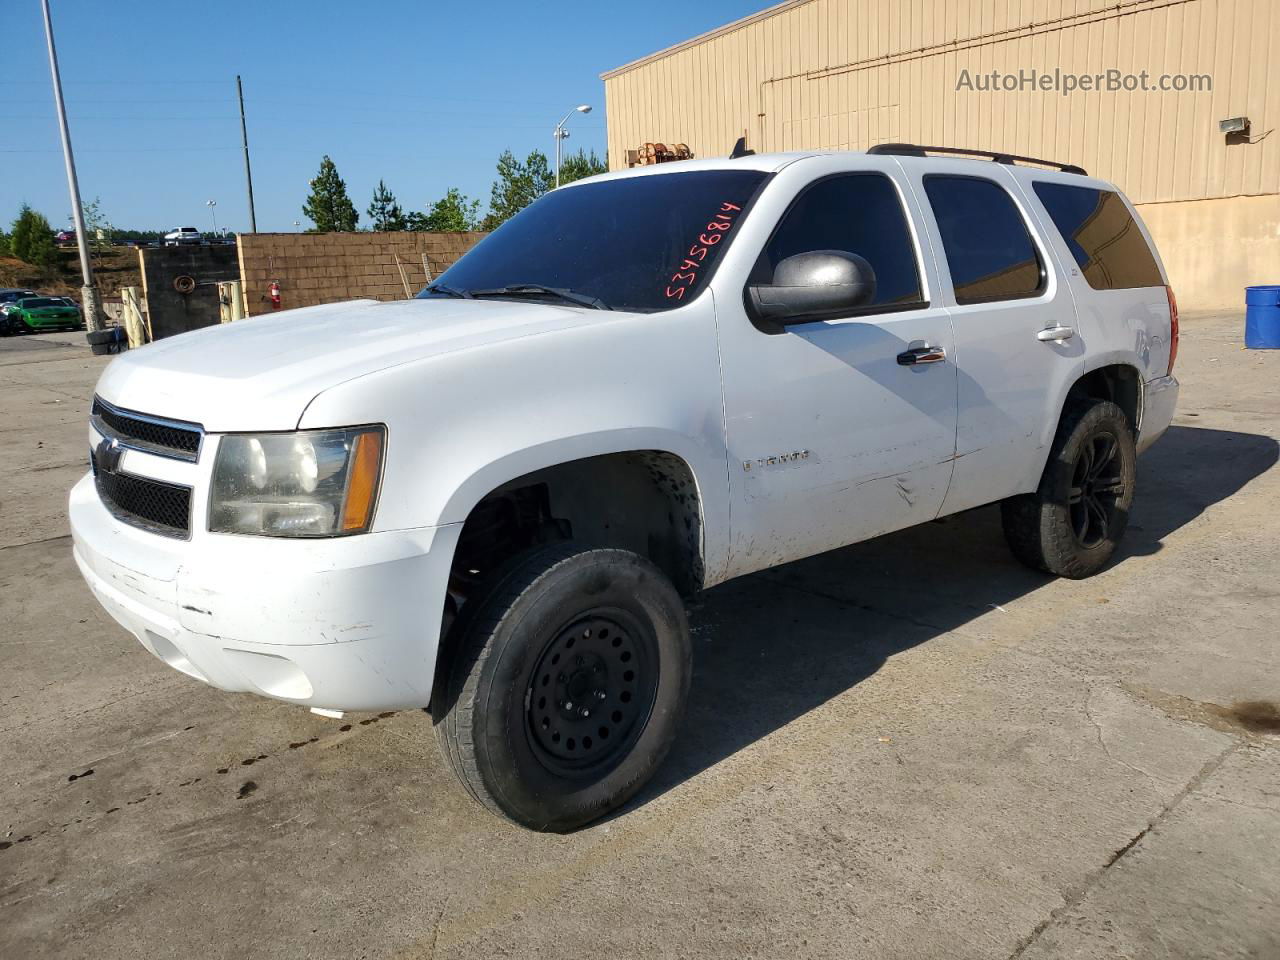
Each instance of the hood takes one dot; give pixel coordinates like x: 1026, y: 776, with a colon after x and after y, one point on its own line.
x: 260, y: 373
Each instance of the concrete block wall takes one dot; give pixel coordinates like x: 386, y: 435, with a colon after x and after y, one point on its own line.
x: 317, y: 268
x: 170, y: 310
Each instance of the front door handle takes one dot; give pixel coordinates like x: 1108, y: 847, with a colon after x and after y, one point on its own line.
x: 925, y: 354
x: 1055, y: 334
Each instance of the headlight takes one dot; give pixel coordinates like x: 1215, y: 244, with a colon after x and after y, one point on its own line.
x: 314, y: 483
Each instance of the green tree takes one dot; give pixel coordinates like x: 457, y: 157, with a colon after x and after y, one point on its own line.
x: 5, y: 249
x: 384, y: 211
x: 32, y: 238
x: 329, y: 207
x: 452, y: 213
x: 578, y: 165
x: 97, y: 226
x: 517, y: 186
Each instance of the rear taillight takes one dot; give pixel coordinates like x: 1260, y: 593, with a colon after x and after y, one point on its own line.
x: 1173, y: 327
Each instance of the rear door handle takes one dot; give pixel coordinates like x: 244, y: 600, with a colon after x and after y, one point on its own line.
x: 1055, y: 334
x: 926, y: 354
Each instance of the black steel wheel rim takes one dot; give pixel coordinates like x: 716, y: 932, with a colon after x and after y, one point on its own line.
x: 1097, y: 487
x: 591, y: 693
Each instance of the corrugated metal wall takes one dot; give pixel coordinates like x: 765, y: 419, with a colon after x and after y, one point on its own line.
x: 850, y: 73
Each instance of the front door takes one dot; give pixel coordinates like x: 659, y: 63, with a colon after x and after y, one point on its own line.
x: 834, y: 434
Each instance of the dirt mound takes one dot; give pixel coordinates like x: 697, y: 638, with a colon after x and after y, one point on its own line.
x: 116, y: 268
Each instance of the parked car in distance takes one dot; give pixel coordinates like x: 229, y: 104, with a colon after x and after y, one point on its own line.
x: 490, y: 499
x: 181, y: 236
x: 9, y: 296
x: 34, y: 314
x: 13, y: 294
x: 65, y: 238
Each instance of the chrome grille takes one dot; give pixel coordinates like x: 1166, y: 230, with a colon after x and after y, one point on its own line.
x: 176, y: 439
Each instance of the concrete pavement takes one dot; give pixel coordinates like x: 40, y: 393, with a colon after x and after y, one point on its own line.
x: 909, y: 748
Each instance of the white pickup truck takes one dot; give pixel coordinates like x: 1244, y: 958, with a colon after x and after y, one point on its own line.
x: 489, y: 499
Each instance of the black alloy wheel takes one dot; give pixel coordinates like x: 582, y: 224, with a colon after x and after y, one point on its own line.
x: 1072, y: 523
x: 1097, y: 486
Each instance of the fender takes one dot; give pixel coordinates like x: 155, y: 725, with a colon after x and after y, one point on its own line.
x: 621, y: 383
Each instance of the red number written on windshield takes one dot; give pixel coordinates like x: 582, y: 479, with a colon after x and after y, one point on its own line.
x: 686, y: 274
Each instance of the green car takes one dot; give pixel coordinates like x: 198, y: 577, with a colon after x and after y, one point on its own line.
x: 35, y: 314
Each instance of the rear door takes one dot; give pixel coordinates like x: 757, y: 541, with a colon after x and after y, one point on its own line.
x: 1016, y: 348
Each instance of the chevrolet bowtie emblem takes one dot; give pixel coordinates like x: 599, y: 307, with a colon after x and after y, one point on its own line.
x: 108, y: 454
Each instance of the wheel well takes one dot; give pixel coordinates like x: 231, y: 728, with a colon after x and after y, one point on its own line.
x: 1118, y: 383
x: 645, y: 501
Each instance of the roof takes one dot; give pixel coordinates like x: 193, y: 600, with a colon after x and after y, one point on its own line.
x: 764, y: 162
x: 775, y: 162
x: 702, y: 38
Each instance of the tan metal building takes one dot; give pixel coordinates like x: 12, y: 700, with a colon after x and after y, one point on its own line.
x: 846, y: 74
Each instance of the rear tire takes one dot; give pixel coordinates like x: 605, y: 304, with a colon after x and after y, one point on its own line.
x: 566, y: 687
x: 1074, y: 521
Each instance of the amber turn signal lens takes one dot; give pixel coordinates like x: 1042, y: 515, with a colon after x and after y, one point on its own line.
x: 362, y: 482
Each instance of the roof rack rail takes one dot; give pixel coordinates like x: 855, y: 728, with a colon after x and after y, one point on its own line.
x: 915, y: 150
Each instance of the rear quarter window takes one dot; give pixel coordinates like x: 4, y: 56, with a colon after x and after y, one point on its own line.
x: 1102, y: 235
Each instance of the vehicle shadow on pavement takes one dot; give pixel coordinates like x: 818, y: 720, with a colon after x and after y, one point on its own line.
x: 773, y: 646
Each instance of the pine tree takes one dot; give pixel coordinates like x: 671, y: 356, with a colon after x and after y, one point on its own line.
x: 32, y: 238
x: 517, y: 186
x: 452, y: 213
x: 384, y: 211
x: 578, y: 165
x: 329, y: 207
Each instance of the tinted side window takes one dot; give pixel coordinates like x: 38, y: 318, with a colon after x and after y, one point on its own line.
x: 1102, y: 235
x: 988, y: 247
x: 859, y: 213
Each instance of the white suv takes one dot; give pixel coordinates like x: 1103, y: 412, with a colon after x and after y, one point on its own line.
x: 490, y: 498
x: 183, y: 236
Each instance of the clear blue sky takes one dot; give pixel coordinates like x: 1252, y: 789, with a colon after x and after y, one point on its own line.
x: 423, y: 95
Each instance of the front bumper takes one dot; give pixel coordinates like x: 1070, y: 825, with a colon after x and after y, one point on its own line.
x: 349, y: 623
x: 1159, y: 399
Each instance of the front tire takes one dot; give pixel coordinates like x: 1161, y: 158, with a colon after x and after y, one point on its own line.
x: 1074, y: 521
x: 566, y: 687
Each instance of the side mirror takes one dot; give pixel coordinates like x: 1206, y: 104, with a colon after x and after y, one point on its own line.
x: 814, y: 286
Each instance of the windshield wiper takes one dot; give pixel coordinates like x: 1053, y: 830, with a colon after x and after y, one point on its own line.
x: 538, y: 289
x: 449, y: 291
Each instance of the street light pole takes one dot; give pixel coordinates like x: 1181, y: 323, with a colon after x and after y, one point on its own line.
x: 561, y: 133
x: 88, y: 292
x: 211, y: 204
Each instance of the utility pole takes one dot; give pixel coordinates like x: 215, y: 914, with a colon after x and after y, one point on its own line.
x: 244, y: 138
x: 88, y: 292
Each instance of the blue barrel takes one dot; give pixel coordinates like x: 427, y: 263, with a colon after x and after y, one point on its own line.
x: 1262, y: 318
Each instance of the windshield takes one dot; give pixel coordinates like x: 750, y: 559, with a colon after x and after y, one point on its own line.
x: 41, y: 302
x: 644, y: 243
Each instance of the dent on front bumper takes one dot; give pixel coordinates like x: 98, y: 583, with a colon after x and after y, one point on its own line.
x: 1159, y: 399
x: 348, y: 623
